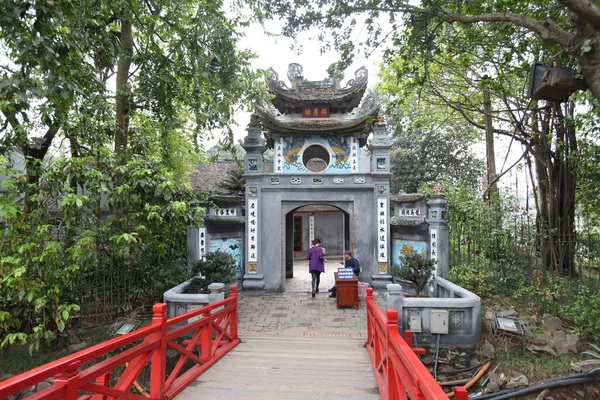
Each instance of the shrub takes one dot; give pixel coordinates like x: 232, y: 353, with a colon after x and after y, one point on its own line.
x: 217, y: 266
x: 584, y: 309
x: 416, y: 269
x: 477, y: 279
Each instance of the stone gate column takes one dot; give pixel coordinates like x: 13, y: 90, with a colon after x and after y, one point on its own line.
x: 380, y: 171
x: 254, y: 144
x: 439, y: 238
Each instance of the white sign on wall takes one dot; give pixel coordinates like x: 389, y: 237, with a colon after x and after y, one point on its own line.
x: 382, y: 229
x: 410, y: 212
x: 354, y: 155
x: 202, y: 242
x: 311, y: 224
x: 226, y: 212
x: 433, y: 240
x: 252, y: 230
x: 278, y: 156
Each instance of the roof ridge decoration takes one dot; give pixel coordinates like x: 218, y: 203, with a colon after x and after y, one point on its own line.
x: 360, y: 77
x: 298, y: 82
x: 368, y: 105
x: 272, y: 78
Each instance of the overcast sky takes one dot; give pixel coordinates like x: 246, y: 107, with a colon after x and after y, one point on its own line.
x: 277, y: 53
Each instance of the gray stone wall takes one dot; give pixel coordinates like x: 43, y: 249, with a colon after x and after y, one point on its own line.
x: 277, y: 201
x: 329, y: 228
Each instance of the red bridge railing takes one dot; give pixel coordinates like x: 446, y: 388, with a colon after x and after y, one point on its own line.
x: 200, y: 337
x: 400, y: 373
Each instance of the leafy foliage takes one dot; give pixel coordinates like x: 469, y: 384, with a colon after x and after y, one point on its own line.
x: 217, y: 266
x: 427, y: 29
x: 477, y: 279
x: 118, y: 197
x: 416, y: 269
x: 64, y: 234
x: 235, y: 182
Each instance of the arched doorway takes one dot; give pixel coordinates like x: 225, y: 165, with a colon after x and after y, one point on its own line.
x: 327, y: 222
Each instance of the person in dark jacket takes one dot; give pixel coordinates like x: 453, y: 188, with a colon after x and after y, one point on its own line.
x: 350, y: 262
x: 316, y: 264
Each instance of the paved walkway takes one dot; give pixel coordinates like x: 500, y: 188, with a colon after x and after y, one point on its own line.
x: 294, y: 347
x: 296, y: 313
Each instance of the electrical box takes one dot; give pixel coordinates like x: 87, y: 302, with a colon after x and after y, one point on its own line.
x: 438, y: 322
x: 414, y: 324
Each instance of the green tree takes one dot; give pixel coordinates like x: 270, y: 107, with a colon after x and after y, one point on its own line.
x: 448, y: 54
x: 235, y: 182
x: 425, y: 152
x: 415, y: 268
x: 129, y: 88
x: 570, y: 26
x: 176, y: 69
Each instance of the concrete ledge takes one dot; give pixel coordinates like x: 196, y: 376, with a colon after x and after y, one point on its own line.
x: 179, y: 302
x: 464, y: 312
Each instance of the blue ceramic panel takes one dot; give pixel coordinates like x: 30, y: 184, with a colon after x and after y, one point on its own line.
x: 233, y: 246
x: 402, y: 247
x: 292, y: 151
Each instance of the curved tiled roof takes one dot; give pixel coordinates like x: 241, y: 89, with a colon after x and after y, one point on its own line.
x: 226, y: 220
x: 207, y: 176
x: 316, y: 208
x: 408, y: 197
x: 406, y: 222
x: 304, y: 92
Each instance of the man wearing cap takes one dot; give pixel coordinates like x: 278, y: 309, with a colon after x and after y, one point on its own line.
x: 350, y: 262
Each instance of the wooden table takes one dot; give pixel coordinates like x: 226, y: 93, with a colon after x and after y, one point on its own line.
x: 346, y: 292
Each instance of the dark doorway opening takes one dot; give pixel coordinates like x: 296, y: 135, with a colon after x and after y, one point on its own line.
x: 298, y: 234
x: 326, y: 222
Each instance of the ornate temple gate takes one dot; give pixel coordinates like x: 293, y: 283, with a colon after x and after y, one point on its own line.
x: 318, y: 131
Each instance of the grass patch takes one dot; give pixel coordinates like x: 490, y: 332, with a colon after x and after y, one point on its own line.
x: 536, y: 367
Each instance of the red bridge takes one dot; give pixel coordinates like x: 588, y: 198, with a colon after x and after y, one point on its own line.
x: 200, y: 338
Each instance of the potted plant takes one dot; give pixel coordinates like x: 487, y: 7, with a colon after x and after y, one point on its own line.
x: 215, y: 267
x: 416, y: 269
x: 205, y: 286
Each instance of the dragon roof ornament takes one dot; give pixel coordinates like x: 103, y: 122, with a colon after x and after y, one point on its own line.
x: 299, y: 83
x: 368, y: 105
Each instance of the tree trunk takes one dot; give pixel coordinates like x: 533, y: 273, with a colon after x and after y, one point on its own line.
x: 589, y: 61
x: 556, y: 191
x: 122, y: 89
x: 493, y: 194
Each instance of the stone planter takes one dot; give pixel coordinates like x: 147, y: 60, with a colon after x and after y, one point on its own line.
x: 408, y: 289
x: 463, y: 310
x: 179, y: 302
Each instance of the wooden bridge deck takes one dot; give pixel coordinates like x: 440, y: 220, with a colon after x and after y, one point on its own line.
x: 289, y: 367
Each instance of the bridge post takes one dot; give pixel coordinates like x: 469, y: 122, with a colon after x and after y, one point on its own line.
x: 102, y: 380
x: 70, y: 378
x: 460, y: 393
x: 408, y: 338
x: 158, y: 363
x: 391, y: 376
x: 233, y: 321
x: 206, y: 336
x: 369, y: 304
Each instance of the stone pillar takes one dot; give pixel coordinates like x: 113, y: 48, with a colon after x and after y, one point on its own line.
x: 395, y: 298
x: 217, y: 292
x: 196, y: 244
x: 380, y: 171
x: 254, y: 144
x: 439, y: 239
x: 193, y: 251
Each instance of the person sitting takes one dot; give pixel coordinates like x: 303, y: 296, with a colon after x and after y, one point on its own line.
x: 350, y: 262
